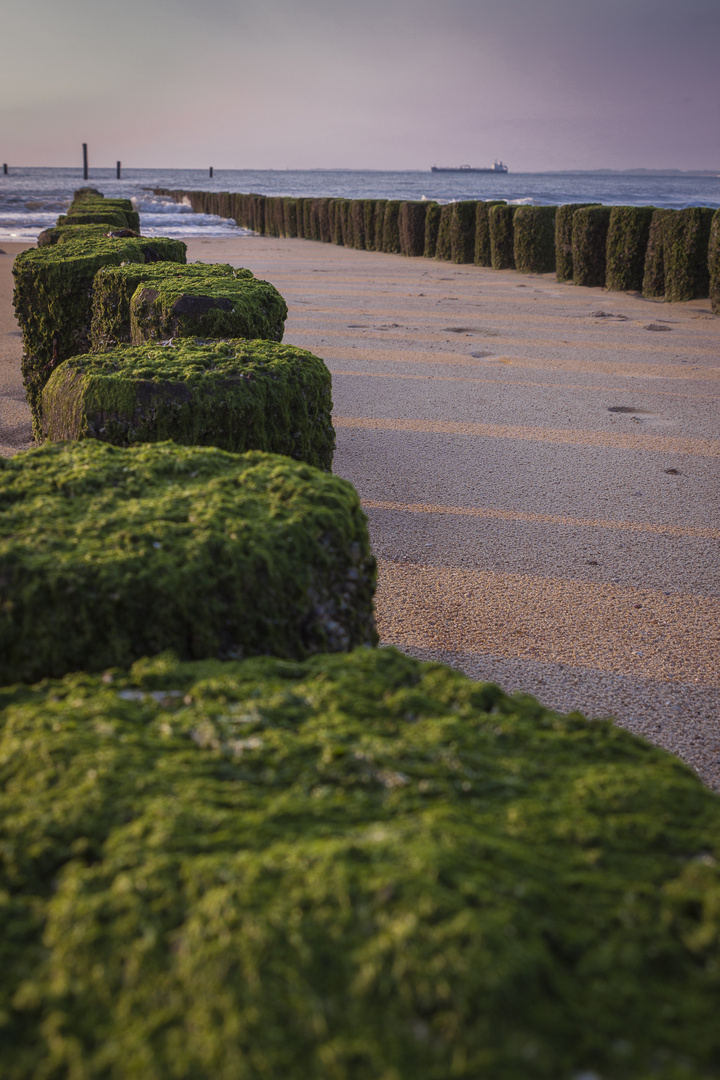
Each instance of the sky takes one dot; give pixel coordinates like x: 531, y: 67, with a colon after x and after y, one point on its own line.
x: 543, y: 85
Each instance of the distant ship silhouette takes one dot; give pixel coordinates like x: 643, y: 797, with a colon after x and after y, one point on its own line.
x: 498, y: 167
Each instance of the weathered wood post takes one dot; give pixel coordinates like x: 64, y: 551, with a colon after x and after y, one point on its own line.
x: 211, y: 172
x: 5, y: 170
x: 85, y: 161
x: 117, y: 170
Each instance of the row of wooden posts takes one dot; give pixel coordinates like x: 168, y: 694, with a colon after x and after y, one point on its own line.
x: 670, y: 254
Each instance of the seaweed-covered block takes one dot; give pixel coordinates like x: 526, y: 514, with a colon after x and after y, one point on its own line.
x: 483, y: 248
x: 53, y: 298
x: 411, y: 226
x: 627, y: 242
x: 432, y: 228
x: 61, y: 234
x: 114, y: 286
x: 115, y: 219
x: 714, y: 262
x: 502, y: 242
x: 369, y: 215
x: 391, y: 228
x: 238, y: 395
x: 686, y: 238
x: 443, y: 243
x: 563, y: 239
x: 378, y: 224
x: 589, y: 245
x: 534, y: 239
x: 290, y: 218
x: 109, y: 554
x: 653, y: 285
x: 357, y: 223
x: 214, y: 307
x: 357, y: 859
x: 462, y: 231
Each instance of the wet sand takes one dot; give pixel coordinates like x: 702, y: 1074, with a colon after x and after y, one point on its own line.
x: 539, y: 464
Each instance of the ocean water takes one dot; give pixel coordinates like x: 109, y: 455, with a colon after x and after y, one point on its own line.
x: 31, y: 199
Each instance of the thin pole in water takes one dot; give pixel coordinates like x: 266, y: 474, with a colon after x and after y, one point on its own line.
x: 117, y: 172
x: 85, y: 162
x: 5, y: 170
x: 211, y: 172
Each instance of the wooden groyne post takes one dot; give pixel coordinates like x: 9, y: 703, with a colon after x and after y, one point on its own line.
x: 85, y: 161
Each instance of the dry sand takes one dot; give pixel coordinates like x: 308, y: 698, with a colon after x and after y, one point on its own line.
x: 539, y: 464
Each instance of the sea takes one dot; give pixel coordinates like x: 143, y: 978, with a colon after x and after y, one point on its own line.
x: 32, y: 198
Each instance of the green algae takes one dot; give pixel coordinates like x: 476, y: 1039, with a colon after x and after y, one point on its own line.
x: 110, y: 554
x: 462, y: 231
x: 502, y: 244
x: 238, y: 395
x: 589, y: 245
x: 391, y: 228
x: 357, y: 224
x: 432, y: 228
x: 114, y: 286
x: 534, y: 239
x: 627, y: 242
x: 211, y: 306
x: 119, y: 219
x: 354, y: 868
x: 653, y: 286
x: 563, y: 239
x: 714, y: 263
x: 411, y: 227
x: 686, y: 237
x: 443, y: 243
x: 53, y: 298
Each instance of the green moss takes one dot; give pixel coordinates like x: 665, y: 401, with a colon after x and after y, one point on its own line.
x: 534, y: 239
x: 324, y: 223
x: 211, y: 306
x: 113, y: 219
x: 87, y: 193
x: 379, y: 222
x: 443, y: 243
x: 113, y: 289
x: 110, y: 554
x: 391, y: 228
x: 411, y: 227
x: 432, y: 228
x: 60, y: 234
x: 483, y: 250
x: 97, y: 200
x: 714, y: 262
x: 627, y: 242
x: 502, y: 242
x: 290, y: 217
x: 53, y: 298
x: 653, y: 286
x: 369, y: 215
x: 589, y: 245
x: 686, y: 238
x: 563, y: 239
x: 353, y: 866
x: 238, y: 395
x: 462, y: 232
x: 357, y: 223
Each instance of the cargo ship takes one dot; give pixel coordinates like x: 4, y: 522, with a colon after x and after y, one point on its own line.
x: 498, y: 167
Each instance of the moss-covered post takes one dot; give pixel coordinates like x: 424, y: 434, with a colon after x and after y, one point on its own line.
x: 589, y: 245
x: 502, y: 243
x: 563, y: 239
x: 369, y: 217
x: 290, y: 218
x: 483, y: 255
x: 432, y: 227
x: 462, y: 231
x: 627, y: 242
x: 391, y: 230
x: 357, y: 220
x: 443, y: 243
x: 714, y: 262
x: 653, y: 286
x: 534, y: 239
x: 686, y: 239
x: 324, y: 220
x: 379, y: 223
x: 411, y: 224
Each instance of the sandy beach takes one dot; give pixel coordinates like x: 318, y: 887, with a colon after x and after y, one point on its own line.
x: 539, y: 465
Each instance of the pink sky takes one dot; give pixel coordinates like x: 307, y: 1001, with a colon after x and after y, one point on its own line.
x: 398, y: 84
